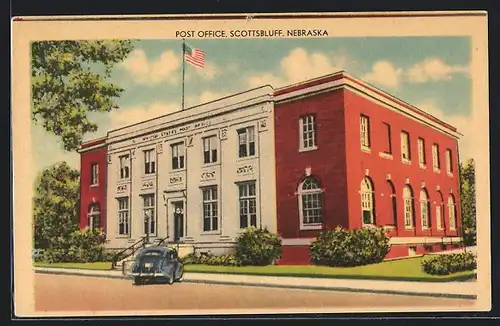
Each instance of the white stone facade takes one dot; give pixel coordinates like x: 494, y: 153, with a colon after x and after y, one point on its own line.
x: 232, y: 183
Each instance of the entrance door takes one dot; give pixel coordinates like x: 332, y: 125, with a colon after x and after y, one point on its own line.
x: 178, y: 221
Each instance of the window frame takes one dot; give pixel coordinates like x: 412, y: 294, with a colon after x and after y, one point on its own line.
x: 91, y: 214
x: 388, y: 149
x: 149, y: 161
x: 152, y: 220
x: 436, y: 160
x: 301, y: 192
x: 124, y: 214
x: 94, y: 174
x: 247, y: 199
x: 178, y: 155
x: 212, y: 203
x: 308, y: 121
x: 452, y: 213
x: 248, y: 143
x: 405, y: 144
x: 422, y: 157
x: 408, y: 208
x: 425, y: 208
x: 449, y: 161
x: 124, y: 167
x: 213, y: 157
x: 364, y: 129
x: 367, y: 200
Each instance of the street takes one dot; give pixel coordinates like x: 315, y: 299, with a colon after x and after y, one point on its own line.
x: 78, y: 293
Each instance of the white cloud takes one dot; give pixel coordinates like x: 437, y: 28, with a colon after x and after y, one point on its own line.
x: 300, y: 65
x: 433, y: 69
x: 143, y: 71
x: 204, y: 97
x: 384, y: 73
x: 459, y: 121
x: 130, y: 115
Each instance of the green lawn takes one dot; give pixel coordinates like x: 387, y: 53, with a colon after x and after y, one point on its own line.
x: 94, y: 266
x: 402, y: 270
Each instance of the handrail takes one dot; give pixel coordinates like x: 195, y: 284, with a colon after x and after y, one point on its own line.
x: 115, y: 259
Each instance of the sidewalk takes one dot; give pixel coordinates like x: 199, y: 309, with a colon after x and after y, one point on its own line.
x: 461, y: 290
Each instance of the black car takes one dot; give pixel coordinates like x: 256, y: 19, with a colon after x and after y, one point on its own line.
x: 157, y: 264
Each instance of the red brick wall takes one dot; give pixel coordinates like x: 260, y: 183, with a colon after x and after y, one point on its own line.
x: 88, y: 193
x: 358, y: 161
x: 295, y: 255
x: 327, y: 162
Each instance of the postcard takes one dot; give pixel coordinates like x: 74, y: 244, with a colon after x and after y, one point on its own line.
x: 251, y: 164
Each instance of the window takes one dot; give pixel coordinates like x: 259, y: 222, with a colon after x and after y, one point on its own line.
x: 436, y: 164
x: 421, y: 152
x: 308, y: 132
x: 149, y: 161
x: 310, y: 203
x: 94, y: 217
x: 124, y: 167
x: 210, y: 149
x: 246, y: 141
x: 364, y: 125
x: 210, y: 209
x: 424, y: 209
x: 149, y: 214
x: 388, y: 144
x: 248, y: 207
x: 123, y: 217
x: 393, y: 202
x: 367, y: 201
x: 94, y: 174
x: 452, y: 212
x: 408, y: 207
x: 449, y: 162
x: 439, y: 212
x: 405, y: 146
x: 178, y: 161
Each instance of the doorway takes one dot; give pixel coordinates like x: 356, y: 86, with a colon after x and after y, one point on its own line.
x: 178, y: 220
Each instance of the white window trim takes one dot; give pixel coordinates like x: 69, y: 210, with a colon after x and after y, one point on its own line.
x: 128, y: 234
x: 439, y: 217
x: 218, y: 144
x: 424, y: 202
x: 171, y: 146
x: 256, y: 196
x: 92, y: 183
x: 369, y: 191
x: 256, y: 141
x: 155, y: 214
x: 385, y: 155
x: 405, y: 204
x: 120, y: 166
x: 452, y: 209
x: 436, y: 161
x: 422, y: 159
x: 90, y: 216
x: 308, y: 226
x: 155, y: 159
x: 301, y: 134
x: 366, y: 139
x: 449, y: 162
x: 217, y: 190
x: 404, y: 159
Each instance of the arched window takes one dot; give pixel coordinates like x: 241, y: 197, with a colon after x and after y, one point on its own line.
x: 310, y: 204
x: 367, y: 206
x: 424, y: 210
x: 393, y: 202
x: 94, y: 217
x: 439, y: 211
x: 452, y: 212
x: 408, y: 206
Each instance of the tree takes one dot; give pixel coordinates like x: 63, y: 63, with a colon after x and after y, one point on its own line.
x: 69, y: 81
x: 468, y: 201
x: 55, y: 206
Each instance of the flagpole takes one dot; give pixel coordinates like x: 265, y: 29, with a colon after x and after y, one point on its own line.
x: 183, y: 69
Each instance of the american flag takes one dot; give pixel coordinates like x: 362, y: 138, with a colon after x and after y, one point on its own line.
x: 196, y: 57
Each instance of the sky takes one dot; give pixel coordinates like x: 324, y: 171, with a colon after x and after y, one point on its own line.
x: 432, y: 73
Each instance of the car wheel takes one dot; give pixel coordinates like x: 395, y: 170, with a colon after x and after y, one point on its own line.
x: 171, y: 278
x: 180, y: 277
x: 137, y: 281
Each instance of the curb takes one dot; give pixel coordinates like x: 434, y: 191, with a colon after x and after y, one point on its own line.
x: 282, y: 286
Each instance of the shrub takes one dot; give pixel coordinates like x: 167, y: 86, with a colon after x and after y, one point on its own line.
x: 342, y: 247
x: 80, y: 247
x: 258, y: 247
x: 449, y: 263
x: 223, y: 260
